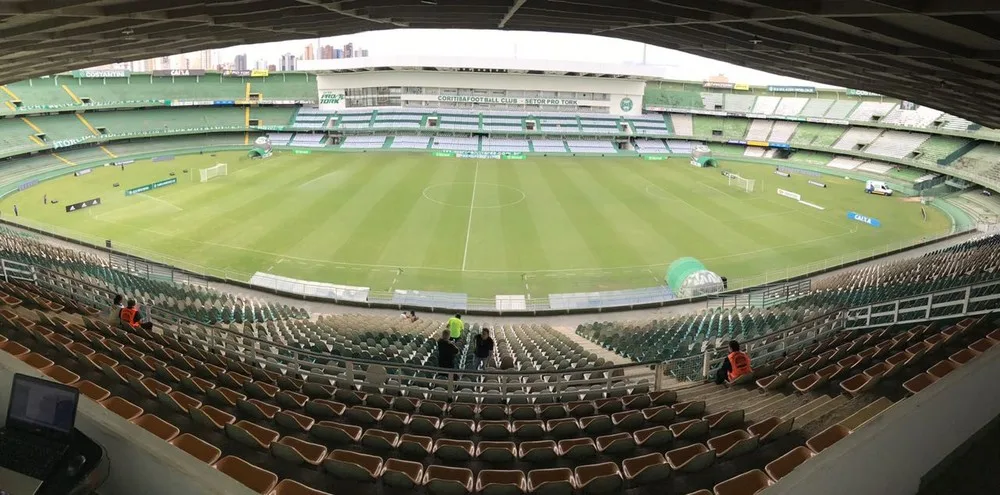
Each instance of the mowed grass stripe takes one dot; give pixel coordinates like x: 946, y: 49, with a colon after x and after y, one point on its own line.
x: 585, y: 223
x: 563, y: 245
x: 605, y: 242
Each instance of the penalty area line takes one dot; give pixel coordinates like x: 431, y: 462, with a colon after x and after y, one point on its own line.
x: 163, y: 201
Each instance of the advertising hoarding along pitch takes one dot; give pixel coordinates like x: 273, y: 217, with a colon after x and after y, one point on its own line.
x: 83, y: 205
x: 179, y: 72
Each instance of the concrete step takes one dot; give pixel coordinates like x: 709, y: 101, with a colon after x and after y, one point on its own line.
x: 820, y: 411
x: 738, y: 400
x: 772, y: 407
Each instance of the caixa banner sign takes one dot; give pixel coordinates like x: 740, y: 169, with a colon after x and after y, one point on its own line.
x: 863, y: 219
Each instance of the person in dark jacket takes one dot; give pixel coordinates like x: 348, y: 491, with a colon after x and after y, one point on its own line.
x: 447, y: 350
x: 484, y: 349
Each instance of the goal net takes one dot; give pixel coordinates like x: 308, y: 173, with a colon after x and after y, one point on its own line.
x: 741, y: 183
x: 210, y: 173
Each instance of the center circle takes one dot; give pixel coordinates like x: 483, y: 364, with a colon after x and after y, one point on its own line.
x: 476, y: 195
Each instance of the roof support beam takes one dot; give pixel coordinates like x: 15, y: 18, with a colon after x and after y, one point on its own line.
x: 510, y: 13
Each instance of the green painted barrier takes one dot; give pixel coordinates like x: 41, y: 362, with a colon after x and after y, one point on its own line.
x: 149, y: 187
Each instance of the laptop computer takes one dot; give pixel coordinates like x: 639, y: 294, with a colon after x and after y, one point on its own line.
x: 40, y: 419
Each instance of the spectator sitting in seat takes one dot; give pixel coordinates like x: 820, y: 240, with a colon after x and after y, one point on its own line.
x: 410, y: 317
x: 129, y: 315
x: 736, y: 364
x: 116, y: 308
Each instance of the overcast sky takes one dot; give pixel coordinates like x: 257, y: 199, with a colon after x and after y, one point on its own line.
x: 519, y: 44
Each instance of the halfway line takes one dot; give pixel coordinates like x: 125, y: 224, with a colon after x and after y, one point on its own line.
x: 472, y: 208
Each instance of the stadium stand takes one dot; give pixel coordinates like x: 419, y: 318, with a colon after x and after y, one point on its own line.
x: 260, y: 421
x: 682, y: 147
x: 766, y: 105
x: 455, y: 143
x: 840, y: 109
x: 411, y: 142
x: 820, y: 135
x: 896, y: 144
x: 759, y: 130
x: 782, y: 131
x: 308, y: 139
x: 590, y: 146
x: 921, y: 117
x: 739, y: 103
x: 791, y: 106
x: 683, y: 124
x: 845, y: 163
x: 651, y: 146
x: 506, y: 144
x: 872, y: 111
x: 363, y: 142
x: 857, y: 138
x: 952, y: 123
x: 280, y: 138
x: 712, y: 101
x: 937, y: 148
x: 548, y: 145
x: 816, y: 107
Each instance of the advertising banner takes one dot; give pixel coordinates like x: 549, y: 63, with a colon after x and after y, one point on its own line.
x: 149, y: 187
x: 741, y: 87
x: 655, y: 157
x: 790, y: 194
x: 762, y: 144
x: 717, y: 85
x: 164, y: 158
x: 301, y: 152
x: 236, y: 73
x: 97, y: 73
x: 24, y: 185
x: 83, y: 205
x: 259, y: 73
x: 863, y: 219
x: 817, y: 184
x: 121, y: 163
x: 179, y: 72
x: 861, y: 92
x: 791, y: 89
x: 82, y: 172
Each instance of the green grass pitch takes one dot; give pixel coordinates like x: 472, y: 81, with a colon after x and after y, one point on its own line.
x: 411, y: 221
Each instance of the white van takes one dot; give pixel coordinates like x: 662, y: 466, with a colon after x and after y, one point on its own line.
x: 877, y: 187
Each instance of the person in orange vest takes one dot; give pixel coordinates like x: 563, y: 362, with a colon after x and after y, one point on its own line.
x: 736, y: 364
x: 129, y: 315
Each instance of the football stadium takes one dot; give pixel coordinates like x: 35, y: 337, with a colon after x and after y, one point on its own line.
x: 611, y: 280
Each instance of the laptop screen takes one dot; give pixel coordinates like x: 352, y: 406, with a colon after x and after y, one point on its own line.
x: 41, y: 404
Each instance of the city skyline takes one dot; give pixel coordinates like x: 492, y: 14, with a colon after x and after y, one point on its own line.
x: 462, y: 42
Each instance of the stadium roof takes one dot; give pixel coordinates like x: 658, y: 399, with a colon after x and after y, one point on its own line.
x: 940, y: 53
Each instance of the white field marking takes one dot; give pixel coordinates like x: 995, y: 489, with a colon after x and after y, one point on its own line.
x: 163, y: 201
x: 472, y: 208
x: 304, y: 184
x: 552, y: 272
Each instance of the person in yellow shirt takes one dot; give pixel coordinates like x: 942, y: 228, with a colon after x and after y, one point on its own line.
x: 455, y: 327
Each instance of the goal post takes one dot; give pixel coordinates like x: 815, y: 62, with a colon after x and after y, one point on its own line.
x: 741, y: 183
x: 219, y: 169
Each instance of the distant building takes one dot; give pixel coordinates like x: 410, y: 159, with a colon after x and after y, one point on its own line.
x: 260, y: 64
x: 326, y: 53
x: 338, y: 53
x: 364, y: 53
x: 310, y: 53
x: 287, y: 62
x: 349, y: 50
x: 272, y: 68
x: 241, y: 62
